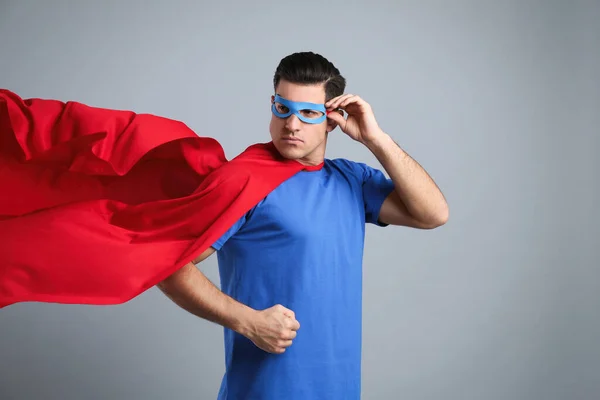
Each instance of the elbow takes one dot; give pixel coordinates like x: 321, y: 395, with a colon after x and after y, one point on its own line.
x: 174, y: 282
x: 443, y: 215
x: 439, y: 218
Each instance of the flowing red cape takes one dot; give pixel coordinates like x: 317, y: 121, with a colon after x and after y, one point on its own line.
x: 98, y: 205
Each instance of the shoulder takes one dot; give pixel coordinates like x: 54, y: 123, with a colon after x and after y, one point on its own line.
x: 359, y: 170
x: 343, y: 163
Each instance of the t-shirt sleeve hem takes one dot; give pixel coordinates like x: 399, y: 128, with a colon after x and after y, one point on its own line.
x: 376, y: 216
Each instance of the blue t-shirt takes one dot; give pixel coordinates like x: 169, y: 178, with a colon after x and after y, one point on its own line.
x: 302, y: 247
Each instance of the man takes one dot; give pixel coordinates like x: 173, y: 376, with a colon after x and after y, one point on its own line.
x: 291, y: 267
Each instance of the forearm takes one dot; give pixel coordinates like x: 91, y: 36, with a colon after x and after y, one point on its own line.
x: 415, y: 188
x: 190, y: 289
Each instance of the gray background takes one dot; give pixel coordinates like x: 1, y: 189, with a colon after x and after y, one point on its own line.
x: 499, y: 101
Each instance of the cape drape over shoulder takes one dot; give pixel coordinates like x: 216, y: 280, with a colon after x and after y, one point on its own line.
x: 98, y: 205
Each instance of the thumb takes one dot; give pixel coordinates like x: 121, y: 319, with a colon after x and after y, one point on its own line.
x: 337, y: 118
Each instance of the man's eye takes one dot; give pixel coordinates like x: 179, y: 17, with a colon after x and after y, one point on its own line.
x: 311, y: 113
x: 282, y: 109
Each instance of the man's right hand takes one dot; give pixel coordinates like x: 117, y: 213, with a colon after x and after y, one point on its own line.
x: 273, y: 329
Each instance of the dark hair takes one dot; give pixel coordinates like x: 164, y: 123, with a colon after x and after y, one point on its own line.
x: 308, y: 68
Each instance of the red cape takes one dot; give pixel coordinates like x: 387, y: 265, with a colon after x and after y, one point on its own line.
x: 99, y: 205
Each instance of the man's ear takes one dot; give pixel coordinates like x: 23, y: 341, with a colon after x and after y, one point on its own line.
x: 272, y: 99
x: 331, y: 125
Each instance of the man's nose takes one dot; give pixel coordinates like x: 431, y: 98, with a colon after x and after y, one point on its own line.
x: 293, y: 123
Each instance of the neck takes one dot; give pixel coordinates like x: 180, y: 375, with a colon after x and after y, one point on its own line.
x: 311, y: 162
x: 317, y: 157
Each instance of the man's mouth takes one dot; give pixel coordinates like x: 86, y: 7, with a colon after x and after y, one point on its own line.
x: 291, y: 139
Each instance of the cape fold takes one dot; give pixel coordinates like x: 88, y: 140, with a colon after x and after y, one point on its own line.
x: 98, y: 205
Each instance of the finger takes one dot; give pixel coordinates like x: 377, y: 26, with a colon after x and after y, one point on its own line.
x: 336, y: 104
x: 289, y: 335
x: 295, y: 325
x: 284, y: 344
x: 292, y: 324
x: 288, y: 312
x: 331, y: 101
x: 336, y: 115
x: 331, y: 104
x: 283, y: 310
x: 337, y: 118
x: 350, y: 100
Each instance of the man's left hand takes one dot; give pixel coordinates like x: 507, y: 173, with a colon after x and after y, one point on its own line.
x: 360, y: 124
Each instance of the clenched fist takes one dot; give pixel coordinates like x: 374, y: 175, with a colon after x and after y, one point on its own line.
x: 273, y: 329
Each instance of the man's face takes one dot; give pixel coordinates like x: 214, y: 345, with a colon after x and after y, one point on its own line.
x: 293, y: 138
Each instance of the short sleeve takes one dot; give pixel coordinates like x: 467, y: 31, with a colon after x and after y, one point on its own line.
x: 376, y: 188
x: 229, y: 233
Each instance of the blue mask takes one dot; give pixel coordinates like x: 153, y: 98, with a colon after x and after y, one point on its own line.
x: 311, y: 113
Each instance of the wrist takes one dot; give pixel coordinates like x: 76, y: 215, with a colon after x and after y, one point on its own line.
x: 243, y: 320
x: 377, y: 141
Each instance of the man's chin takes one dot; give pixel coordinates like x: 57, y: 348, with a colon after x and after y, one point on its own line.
x: 290, y: 153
